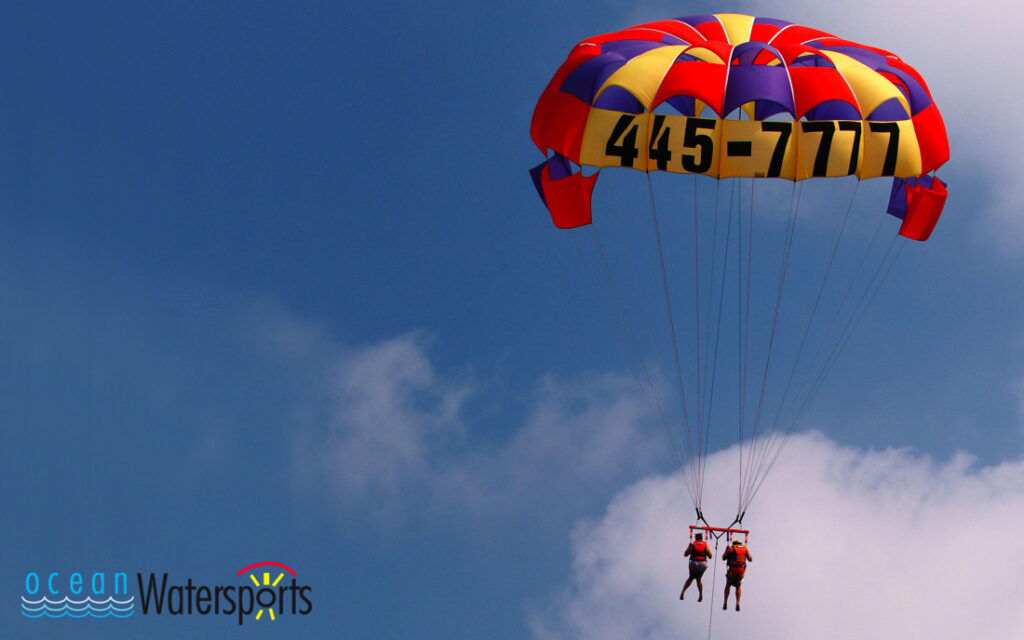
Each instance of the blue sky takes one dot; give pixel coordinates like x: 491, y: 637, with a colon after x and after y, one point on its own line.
x: 275, y: 285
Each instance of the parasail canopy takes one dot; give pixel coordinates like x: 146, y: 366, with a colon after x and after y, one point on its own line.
x: 658, y: 96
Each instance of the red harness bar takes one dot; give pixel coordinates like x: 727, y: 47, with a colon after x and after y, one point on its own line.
x: 721, y: 530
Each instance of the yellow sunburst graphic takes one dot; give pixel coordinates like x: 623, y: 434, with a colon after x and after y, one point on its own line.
x: 266, y: 583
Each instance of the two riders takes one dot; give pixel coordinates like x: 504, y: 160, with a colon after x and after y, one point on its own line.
x: 736, y: 557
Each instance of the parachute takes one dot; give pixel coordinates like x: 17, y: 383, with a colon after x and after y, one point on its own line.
x: 732, y: 100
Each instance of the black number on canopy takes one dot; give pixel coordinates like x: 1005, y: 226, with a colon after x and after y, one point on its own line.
x: 627, y: 151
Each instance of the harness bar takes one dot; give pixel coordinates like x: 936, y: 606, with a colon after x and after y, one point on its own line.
x: 718, y: 532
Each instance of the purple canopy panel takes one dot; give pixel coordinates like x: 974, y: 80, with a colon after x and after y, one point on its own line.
x: 833, y: 110
x: 764, y: 109
x: 773, y: 22
x: 670, y: 39
x: 918, y: 97
x: 535, y: 175
x: 629, y: 49
x: 584, y: 81
x: 870, y: 58
x: 898, y: 198
x: 685, y: 105
x: 891, y: 109
x: 746, y: 52
x: 758, y: 82
x: 615, y: 98
x: 812, y: 61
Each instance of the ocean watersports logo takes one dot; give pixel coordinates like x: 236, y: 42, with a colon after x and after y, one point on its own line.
x: 77, y: 606
x: 272, y: 591
x: 270, y: 597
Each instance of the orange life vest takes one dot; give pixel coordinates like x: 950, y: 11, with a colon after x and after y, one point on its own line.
x: 700, y: 550
x: 738, y: 557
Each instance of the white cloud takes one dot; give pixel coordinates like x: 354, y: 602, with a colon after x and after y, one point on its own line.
x: 391, y: 410
x: 587, y: 432
x: 848, y: 544
x: 397, y: 431
x: 861, y: 544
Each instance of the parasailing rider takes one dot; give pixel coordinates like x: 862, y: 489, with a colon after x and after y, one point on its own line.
x: 736, y: 557
x: 699, y: 552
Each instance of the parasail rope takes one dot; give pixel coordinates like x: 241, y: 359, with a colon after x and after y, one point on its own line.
x: 711, y: 294
x: 656, y: 405
x: 745, y: 311
x: 695, y: 494
x: 633, y: 271
x: 775, y: 434
x: 718, y: 321
x: 826, y: 272
x: 859, y: 311
x: 672, y: 325
x: 714, y: 575
x: 851, y: 325
x: 754, y: 471
x: 696, y: 308
x: 794, y: 206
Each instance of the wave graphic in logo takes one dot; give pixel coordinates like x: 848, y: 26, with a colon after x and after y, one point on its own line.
x: 69, y: 608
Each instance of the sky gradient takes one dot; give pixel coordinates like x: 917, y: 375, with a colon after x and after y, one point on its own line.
x: 275, y: 285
